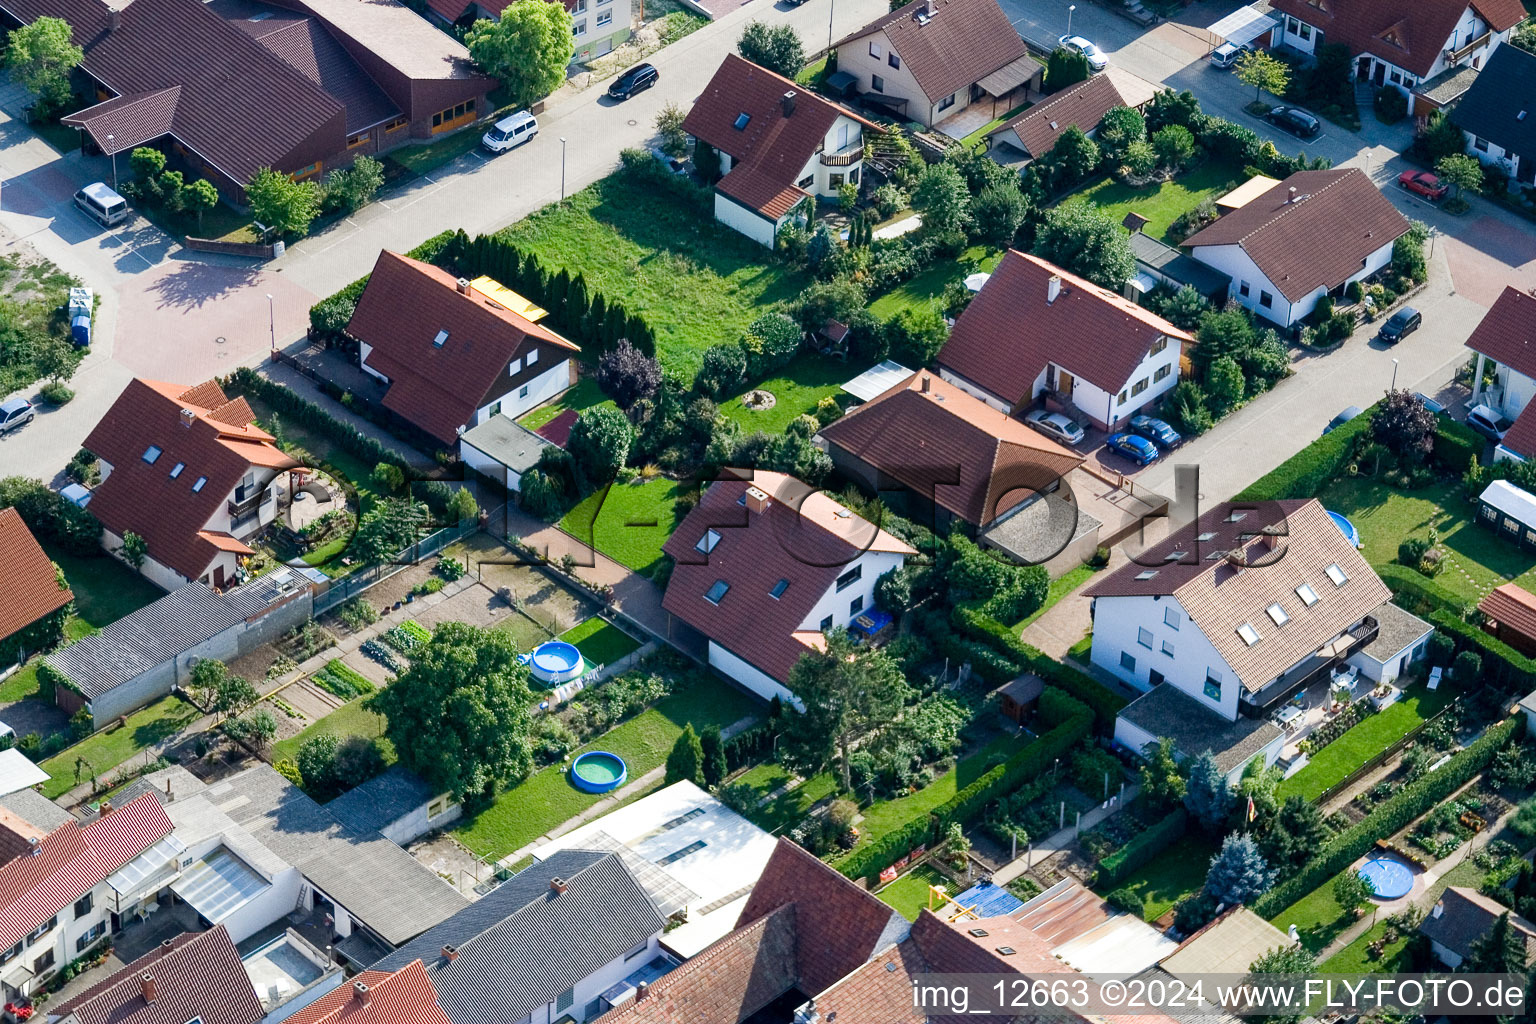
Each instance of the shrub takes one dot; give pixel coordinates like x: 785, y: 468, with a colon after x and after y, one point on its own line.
x: 1305, y: 473
x: 1143, y: 848
x: 56, y: 392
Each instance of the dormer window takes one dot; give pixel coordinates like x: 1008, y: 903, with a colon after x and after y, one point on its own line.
x: 707, y: 542
x: 151, y: 454
x: 198, y: 484
x: 176, y: 469
x: 1337, y: 575
x: 442, y: 336
x: 778, y: 589
x: 1277, y: 614
x: 1307, y: 594
x: 741, y: 121
x: 716, y: 592
x: 1249, y: 634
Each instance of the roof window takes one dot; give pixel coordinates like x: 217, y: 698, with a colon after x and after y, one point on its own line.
x: 442, y: 336
x: 1337, y: 575
x: 176, y: 469
x: 1237, y: 516
x: 716, y: 592
x: 707, y: 542
x: 778, y: 589
x: 1148, y: 574
x: 1176, y: 556
x: 1277, y: 614
x: 1005, y: 950
x: 741, y: 120
x: 151, y: 454
x: 1307, y: 594
x: 197, y: 484
x: 978, y: 933
x: 1206, y: 536
x: 1249, y: 634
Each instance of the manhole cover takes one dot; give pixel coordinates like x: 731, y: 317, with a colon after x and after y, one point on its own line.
x: 218, y: 341
x: 633, y: 122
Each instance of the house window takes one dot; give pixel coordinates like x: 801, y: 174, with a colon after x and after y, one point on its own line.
x: 826, y: 624
x: 1171, y: 618
x: 604, y: 18
x: 396, y: 124
x: 1307, y: 594
x: 357, y: 140
x: 515, y: 367
x: 853, y: 175
x: 42, y: 929
x: 874, y: 49
x: 438, y: 806
x: 151, y: 454
x: 439, y: 339
x: 849, y: 578
x: 495, y: 409
x: 83, y: 906
x: 1120, y: 398
x: 43, y: 963
x: 533, y: 357
x: 1481, y: 145
x: 835, y: 181
x: 947, y: 102
x: 522, y: 392
x: 1242, y: 288
x: 579, y: 28
x: 1144, y: 637
x: 176, y: 469
x: 1305, y: 30
x: 1395, y: 78
x: 1158, y: 346
x: 1277, y: 614
x: 707, y: 542
x: 856, y: 605
x: 1127, y: 661
x: 1250, y: 636
x: 778, y: 589
x: 1265, y: 299
x: 877, y: 83
x: 716, y: 592
x: 580, y: 8
x: 446, y: 118
x: 1147, y: 574
x: 306, y: 172
x: 742, y: 120
x: 807, y: 181
x: 1161, y: 373
x: 1139, y: 386
x: 1212, y: 688
x: 10, y: 954
x: 894, y: 61
x: 1337, y: 575
x: 93, y: 933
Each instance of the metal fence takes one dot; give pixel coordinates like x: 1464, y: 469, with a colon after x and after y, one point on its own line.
x: 349, y: 587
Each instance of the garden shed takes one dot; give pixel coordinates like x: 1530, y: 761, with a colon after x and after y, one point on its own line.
x: 1508, y: 511
x: 1020, y: 696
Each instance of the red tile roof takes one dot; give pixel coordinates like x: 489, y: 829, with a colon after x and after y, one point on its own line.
x: 30, y: 586
x: 771, y: 150
x: 1521, y: 437
x: 16, y: 835
x: 1511, y: 606
x: 73, y: 859
x: 1507, y: 332
x: 219, y: 441
x: 196, y: 976
x: 1319, y: 239
x: 438, y: 388
x: 1009, y: 332
x: 1082, y: 106
x: 1409, y: 35
x: 404, y: 997
x: 799, y: 538
x: 952, y: 448
x: 962, y: 43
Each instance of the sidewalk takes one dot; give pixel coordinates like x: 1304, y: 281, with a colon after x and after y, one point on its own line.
x: 1054, y: 844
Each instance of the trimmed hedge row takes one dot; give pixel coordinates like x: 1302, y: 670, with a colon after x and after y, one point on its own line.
x: 1101, y: 700
x: 1142, y: 849
x: 1456, y: 444
x: 1507, y: 667
x: 1407, y: 804
x: 1406, y: 582
x: 1304, y: 474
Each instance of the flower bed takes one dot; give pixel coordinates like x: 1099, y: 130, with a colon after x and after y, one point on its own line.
x: 341, y: 680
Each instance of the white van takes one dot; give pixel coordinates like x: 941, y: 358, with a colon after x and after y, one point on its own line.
x: 102, y: 204
x: 510, y: 132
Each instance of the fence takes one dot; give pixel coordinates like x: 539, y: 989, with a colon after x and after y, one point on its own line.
x: 1382, y: 757
x: 350, y: 586
x: 258, y: 250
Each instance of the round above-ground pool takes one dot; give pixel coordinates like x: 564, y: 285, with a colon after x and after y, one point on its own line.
x: 598, y: 771
x: 556, y: 662
x: 1346, y: 527
x: 1389, y: 875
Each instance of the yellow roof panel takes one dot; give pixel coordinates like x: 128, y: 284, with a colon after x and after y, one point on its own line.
x: 502, y: 295
x: 1247, y: 192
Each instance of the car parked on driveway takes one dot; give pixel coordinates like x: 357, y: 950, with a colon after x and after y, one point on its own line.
x: 1056, y: 427
x: 1342, y: 418
x: 1294, y: 120
x: 1226, y: 55
x: 1429, y: 403
x: 1077, y: 44
x: 1488, y: 423
x: 1138, y: 449
x: 17, y: 412
x: 1400, y: 324
x: 1423, y: 183
x: 637, y: 79
x: 1157, y: 431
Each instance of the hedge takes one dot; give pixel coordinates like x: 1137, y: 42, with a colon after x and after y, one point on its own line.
x: 1395, y: 813
x: 1507, y: 667
x: 50, y: 515
x: 50, y: 676
x: 1406, y: 582
x: 1101, y: 700
x: 338, y: 306
x: 1304, y: 474
x: 1456, y: 444
x: 1142, y: 849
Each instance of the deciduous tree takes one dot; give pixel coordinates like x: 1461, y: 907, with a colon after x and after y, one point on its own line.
x: 775, y: 47
x: 1264, y: 72
x: 40, y: 57
x: 286, y: 206
x: 945, y: 200
x: 626, y: 375
x: 600, y: 442
x: 528, y: 48
x: 1088, y: 242
x: 1463, y: 172
x: 1404, y: 425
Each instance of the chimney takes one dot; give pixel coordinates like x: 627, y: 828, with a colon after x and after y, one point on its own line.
x: 464, y: 281
x: 1052, y: 288
x: 360, y: 991
x: 557, y: 885
x: 35, y: 846
x: 1290, y: 195
x: 806, y: 1013
x: 188, y: 417
x: 114, y: 20
x: 147, y: 983
x: 105, y: 809
x: 642, y: 990
x: 787, y: 103
x: 928, y: 11
x: 757, y: 500
x: 927, y: 383
x: 450, y: 953
x: 1439, y: 909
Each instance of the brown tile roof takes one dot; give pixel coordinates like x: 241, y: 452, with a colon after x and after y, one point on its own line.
x: 881, y: 991
x: 196, y: 976
x: 438, y: 388
x: 753, y: 554
x: 1081, y: 106
x: 952, y: 448
x: 1009, y: 332
x: 404, y: 997
x: 1521, y: 437
x: 143, y: 497
x: 1507, y: 332
x: 1409, y: 35
x: 1338, y: 219
x: 1219, y: 595
x: 16, y: 835
x: 962, y: 43
x: 769, y: 153
x: 1511, y: 606
x: 30, y: 587
x: 1465, y: 915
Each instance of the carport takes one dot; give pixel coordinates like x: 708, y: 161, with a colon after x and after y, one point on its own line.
x: 1243, y: 26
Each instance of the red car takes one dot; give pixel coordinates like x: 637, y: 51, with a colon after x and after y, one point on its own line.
x: 1423, y: 183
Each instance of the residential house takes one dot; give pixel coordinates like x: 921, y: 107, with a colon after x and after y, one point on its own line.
x: 1080, y: 106
x: 1400, y: 45
x: 1035, y: 330
x: 764, y: 566
x: 1498, y: 114
x: 455, y: 353
x: 232, y: 86
x: 1158, y: 263
x: 1461, y: 917
x: 145, y: 655
x: 377, y: 997
x: 196, y: 976
x: 1308, y: 236
x: 188, y: 470
x: 1506, y: 337
x: 933, y: 59
x: 780, y: 146
x: 597, y: 25
x: 1509, y: 614
x: 60, y: 897
x: 398, y: 804
x: 544, y: 945
x: 1229, y: 617
x: 35, y: 599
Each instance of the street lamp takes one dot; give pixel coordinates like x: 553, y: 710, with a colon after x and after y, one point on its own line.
x: 111, y: 145
x: 272, y: 325
x: 562, y: 168
x: 1394, y: 375
x: 832, y: 10
x: 1070, y: 9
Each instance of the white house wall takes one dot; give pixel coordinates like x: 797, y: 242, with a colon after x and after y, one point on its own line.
x: 836, y: 603
x: 1117, y: 622
x: 982, y: 394
x: 1493, y: 155
x: 364, y: 350
x: 1233, y: 261
x: 748, y: 675
x: 1517, y: 390
x: 749, y: 222
x: 276, y: 902
x: 538, y: 391
x: 1106, y: 408
x: 1389, y: 670
x: 854, y: 57
x: 162, y: 576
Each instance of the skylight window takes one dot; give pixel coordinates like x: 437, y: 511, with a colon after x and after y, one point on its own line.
x: 176, y: 469
x: 1249, y: 634
x: 1176, y: 556
x: 442, y: 336
x: 151, y: 454
x: 1337, y: 575
x: 778, y: 589
x: 1148, y: 574
x: 707, y: 542
x: 1236, y: 517
x: 1277, y: 614
x: 1307, y: 594
x: 716, y: 592
x: 741, y: 120
x: 197, y: 484
x: 1206, y: 536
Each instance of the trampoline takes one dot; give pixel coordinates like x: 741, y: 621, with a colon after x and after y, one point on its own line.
x: 1389, y: 875
x: 556, y: 662
x: 598, y: 771
x: 1346, y: 527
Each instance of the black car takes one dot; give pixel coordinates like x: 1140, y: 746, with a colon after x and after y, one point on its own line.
x: 636, y: 79
x: 1402, y: 323
x: 1157, y: 431
x: 1294, y: 120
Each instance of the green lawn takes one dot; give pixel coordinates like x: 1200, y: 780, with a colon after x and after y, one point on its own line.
x: 1161, y: 204
x: 351, y: 719
x: 908, y: 895
x: 1355, y: 958
x: 787, y: 810
x: 1317, y: 915
x: 925, y: 290
x: 1359, y: 744
x: 627, y: 522
x: 117, y: 743
x: 600, y: 643
x: 546, y: 799
x: 803, y: 383
x: 696, y: 282
x: 1175, y: 872
x: 1059, y: 588
x: 1478, y: 560
x: 105, y: 589
x: 584, y: 395
x: 22, y: 685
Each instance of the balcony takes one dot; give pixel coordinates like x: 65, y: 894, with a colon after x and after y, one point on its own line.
x: 1457, y: 56
x: 1311, y: 669
x: 843, y: 158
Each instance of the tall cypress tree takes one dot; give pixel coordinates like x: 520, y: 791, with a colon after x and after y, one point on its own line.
x: 597, y: 316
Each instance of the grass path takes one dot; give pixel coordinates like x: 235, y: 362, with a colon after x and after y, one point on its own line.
x: 115, y: 744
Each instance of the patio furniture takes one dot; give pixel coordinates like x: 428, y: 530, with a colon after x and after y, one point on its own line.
x: 1434, y: 676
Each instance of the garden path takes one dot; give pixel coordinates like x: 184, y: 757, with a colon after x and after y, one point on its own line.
x: 1070, y: 619
x: 1054, y: 844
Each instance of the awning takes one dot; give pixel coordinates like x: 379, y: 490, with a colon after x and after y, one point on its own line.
x: 129, y: 879
x: 1242, y: 26
x: 840, y: 81
x: 1009, y: 77
x: 1143, y: 282
x: 218, y: 885
x: 877, y: 380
